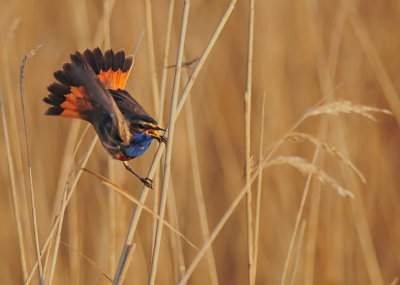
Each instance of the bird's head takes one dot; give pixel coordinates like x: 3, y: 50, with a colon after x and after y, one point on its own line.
x: 142, y: 126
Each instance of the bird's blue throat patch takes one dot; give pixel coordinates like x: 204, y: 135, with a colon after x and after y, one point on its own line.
x: 139, y: 145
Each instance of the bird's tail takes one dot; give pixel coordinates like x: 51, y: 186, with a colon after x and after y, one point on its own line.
x: 68, y: 98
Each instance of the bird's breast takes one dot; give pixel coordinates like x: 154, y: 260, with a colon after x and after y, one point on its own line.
x: 139, y: 145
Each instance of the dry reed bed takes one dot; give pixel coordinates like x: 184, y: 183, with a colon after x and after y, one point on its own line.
x: 301, y: 52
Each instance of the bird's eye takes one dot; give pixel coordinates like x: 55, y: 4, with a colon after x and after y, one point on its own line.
x: 140, y: 126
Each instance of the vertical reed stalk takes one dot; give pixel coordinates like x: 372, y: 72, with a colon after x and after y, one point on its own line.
x: 127, y: 261
x: 35, y: 230
x: 47, y: 259
x: 312, y: 232
x: 67, y: 159
x: 168, y: 154
x: 100, y: 34
x: 156, y: 99
x: 165, y: 61
x: 297, y: 256
x: 106, y: 23
x: 110, y: 160
x: 259, y: 186
x: 80, y: 23
x: 247, y: 135
x: 20, y: 181
x: 178, y: 261
x: 111, y: 217
x: 14, y: 192
x: 161, y: 108
x: 314, y: 210
x: 198, y: 189
x: 58, y: 235
x: 152, y: 61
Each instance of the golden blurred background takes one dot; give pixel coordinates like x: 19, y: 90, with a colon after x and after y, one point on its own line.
x: 303, y: 51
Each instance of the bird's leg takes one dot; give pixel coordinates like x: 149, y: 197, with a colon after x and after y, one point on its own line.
x: 146, y: 181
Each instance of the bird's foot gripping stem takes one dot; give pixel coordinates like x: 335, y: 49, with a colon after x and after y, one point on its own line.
x: 146, y: 181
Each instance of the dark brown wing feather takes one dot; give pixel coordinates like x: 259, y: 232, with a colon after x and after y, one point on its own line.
x: 128, y: 105
x: 99, y: 94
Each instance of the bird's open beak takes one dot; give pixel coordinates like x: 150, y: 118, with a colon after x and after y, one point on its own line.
x: 154, y: 134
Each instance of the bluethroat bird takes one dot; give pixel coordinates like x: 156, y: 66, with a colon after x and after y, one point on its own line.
x: 91, y: 88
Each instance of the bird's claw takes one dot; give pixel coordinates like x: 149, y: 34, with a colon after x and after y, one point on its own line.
x: 163, y: 139
x: 148, y: 182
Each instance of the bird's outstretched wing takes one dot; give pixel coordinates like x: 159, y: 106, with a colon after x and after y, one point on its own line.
x: 100, y: 95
